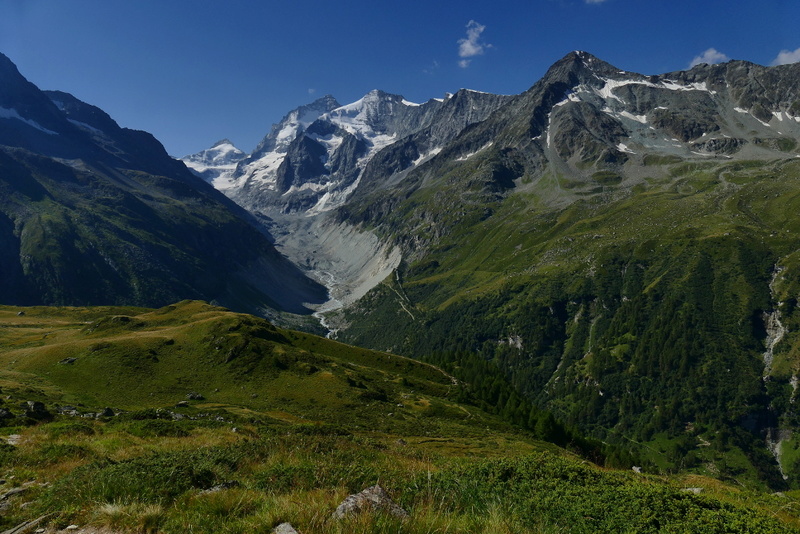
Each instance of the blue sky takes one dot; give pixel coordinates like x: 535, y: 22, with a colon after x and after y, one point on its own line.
x: 193, y: 71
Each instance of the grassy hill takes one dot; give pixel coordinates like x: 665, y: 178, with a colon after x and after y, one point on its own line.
x: 225, y: 423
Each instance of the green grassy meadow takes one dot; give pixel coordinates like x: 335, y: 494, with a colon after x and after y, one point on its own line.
x: 282, y: 425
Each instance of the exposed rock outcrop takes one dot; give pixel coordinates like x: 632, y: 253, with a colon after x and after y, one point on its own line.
x: 372, y: 498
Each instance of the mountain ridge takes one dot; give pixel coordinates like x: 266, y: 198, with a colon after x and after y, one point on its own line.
x: 95, y: 213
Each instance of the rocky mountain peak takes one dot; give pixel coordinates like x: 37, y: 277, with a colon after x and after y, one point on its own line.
x: 222, y: 142
x: 216, y: 164
x: 582, y: 68
x: 291, y: 125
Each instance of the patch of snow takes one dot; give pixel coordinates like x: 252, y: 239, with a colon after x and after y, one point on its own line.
x: 87, y: 127
x: 295, y: 124
x: 622, y: 147
x: 410, y: 104
x: 785, y: 116
x: 308, y: 186
x: 427, y: 156
x: 263, y: 170
x: 637, y: 118
x: 10, y: 113
x: 740, y: 110
x: 380, y: 141
x: 607, y: 91
x: 697, y: 86
x: 332, y: 199
x: 481, y: 149
x: 287, y: 134
x: 569, y: 97
x: 626, y: 114
x: 330, y: 142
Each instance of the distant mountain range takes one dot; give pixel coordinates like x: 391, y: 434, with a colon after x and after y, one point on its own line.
x: 622, y: 246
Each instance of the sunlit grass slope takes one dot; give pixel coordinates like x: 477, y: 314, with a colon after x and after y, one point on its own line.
x: 225, y: 423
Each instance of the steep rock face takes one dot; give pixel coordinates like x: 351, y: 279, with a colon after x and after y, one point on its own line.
x: 456, y: 113
x: 257, y: 172
x: 97, y: 214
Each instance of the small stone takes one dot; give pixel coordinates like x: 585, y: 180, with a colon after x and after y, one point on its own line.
x: 636, y: 469
x: 195, y: 396
x: 182, y: 404
x: 72, y: 527
x: 284, y: 528
x: 20, y: 314
x: 107, y: 412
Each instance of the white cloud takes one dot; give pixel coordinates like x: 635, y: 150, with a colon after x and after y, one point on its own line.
x: 432, y: 68
x: 471, y: 45
x: 595, y: 1
x: 786, y: 57
x: 710, y: 56
x: 311, y: 91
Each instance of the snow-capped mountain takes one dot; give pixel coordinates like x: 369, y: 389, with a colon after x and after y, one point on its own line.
x: 312, y: 160
x: 589, y: 128
x: 261, y: 166
x: 217, y: 164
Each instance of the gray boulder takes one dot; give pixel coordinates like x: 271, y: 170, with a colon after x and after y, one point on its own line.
x: 284, y: 528
x: 372, y: 498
